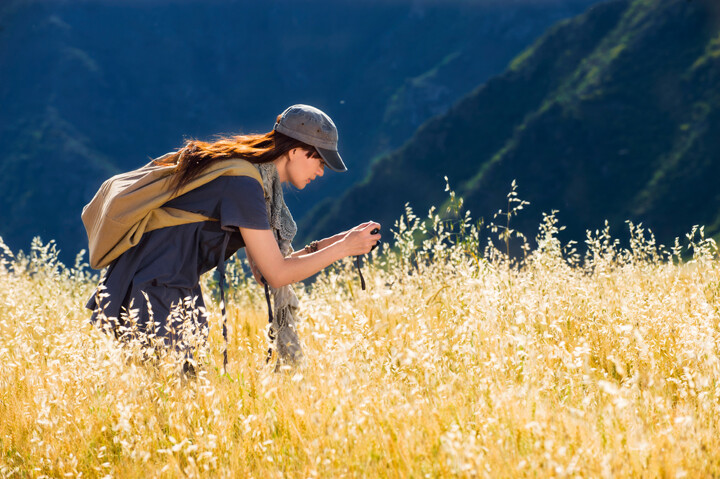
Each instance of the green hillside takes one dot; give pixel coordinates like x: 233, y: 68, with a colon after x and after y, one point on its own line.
x: 613, y: 115
x: 128, y: 81
x: 51, y: 163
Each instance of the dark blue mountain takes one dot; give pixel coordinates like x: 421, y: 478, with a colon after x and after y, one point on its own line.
x: 90, y: 88
x: 614, y: 114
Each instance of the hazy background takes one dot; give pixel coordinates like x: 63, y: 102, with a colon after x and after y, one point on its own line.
x: 606, y: 114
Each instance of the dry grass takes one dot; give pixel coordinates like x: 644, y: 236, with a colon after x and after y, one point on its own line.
x: 454, y: 362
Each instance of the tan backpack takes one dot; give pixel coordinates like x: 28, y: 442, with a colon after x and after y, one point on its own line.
x: 130, y: 204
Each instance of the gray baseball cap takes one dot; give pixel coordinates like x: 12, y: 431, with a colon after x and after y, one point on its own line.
x: 312, y: 126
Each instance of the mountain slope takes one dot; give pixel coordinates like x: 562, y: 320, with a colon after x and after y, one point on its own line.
x: 611, y: 115
x: 130, y: 80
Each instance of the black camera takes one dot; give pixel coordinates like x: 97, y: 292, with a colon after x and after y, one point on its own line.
x: 374, y: 232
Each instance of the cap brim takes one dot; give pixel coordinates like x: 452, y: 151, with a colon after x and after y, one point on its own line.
x: 332, y: 159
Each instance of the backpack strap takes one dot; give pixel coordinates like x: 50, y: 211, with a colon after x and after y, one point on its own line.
x: 221, y: 269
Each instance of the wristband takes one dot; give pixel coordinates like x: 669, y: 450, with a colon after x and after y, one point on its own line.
x: 312, y: 247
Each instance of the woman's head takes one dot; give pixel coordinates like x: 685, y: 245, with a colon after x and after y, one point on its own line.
x: 300, y: 131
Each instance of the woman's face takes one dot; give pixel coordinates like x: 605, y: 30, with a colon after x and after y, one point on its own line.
x: 303, y: 167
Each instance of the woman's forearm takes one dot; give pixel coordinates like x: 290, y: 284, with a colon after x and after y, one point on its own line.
x: 280, y: 271
x: 322, y: 244
x: 298, y: 268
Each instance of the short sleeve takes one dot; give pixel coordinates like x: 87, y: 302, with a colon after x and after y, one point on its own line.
x: 242, y: 204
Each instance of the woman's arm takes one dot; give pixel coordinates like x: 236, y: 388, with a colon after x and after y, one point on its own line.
x: 280, y: 271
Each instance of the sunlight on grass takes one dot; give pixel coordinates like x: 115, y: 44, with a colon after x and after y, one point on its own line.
x: 457, y: 360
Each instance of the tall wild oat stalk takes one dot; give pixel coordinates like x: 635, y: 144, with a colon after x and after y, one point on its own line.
x: 456, y: 361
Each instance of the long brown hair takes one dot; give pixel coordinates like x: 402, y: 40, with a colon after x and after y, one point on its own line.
x: 197, y: 155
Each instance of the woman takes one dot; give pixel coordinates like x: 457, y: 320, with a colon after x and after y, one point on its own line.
x: 154, y: 285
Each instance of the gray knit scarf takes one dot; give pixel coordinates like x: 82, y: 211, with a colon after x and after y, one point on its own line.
x: 282, y: 332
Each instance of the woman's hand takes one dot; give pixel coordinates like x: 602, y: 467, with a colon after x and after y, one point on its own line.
x: 360, y: 240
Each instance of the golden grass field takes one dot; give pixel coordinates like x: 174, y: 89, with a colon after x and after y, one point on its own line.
x: 454, y: 362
